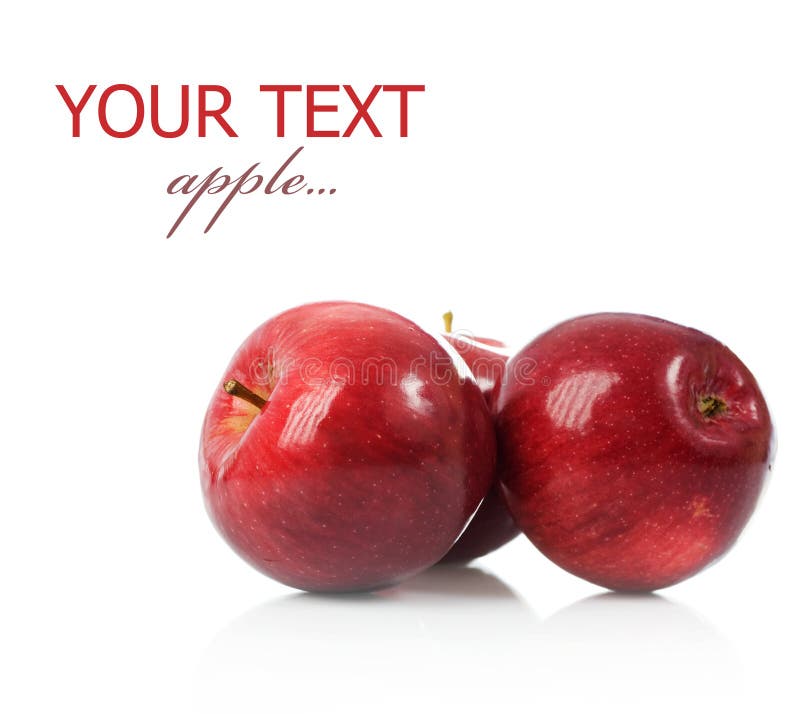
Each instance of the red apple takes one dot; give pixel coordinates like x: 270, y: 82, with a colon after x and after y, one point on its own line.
x: 345, y: 451
x: 492, y: 525
x: 636, y: 455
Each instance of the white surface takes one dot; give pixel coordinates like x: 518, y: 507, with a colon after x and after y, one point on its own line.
x: 588, y: 156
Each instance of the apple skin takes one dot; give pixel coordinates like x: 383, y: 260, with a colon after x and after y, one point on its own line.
x: 492, y: 525
x: 350, y: 478
x: 608, y: 462
x: 485, y: 357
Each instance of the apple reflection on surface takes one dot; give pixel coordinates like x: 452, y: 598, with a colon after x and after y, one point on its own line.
x: 636, y: 649
x: 318, y: 649
x: 463, y: 634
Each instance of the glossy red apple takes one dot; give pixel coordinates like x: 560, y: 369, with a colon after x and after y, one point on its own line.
x: 634, y: 453
x: 485, y: 357
x: 492, y: 525
x: 345, y: 452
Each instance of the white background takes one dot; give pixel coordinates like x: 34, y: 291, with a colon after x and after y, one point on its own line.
x: 583, y: 156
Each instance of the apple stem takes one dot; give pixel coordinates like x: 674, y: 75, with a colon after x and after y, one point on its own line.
x: 237, y: 389
x: 448, y: 321
x: 710, y: 406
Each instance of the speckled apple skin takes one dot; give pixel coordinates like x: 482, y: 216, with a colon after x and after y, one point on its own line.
x: 607, y: 463
x: 491, y: 528
x: 345, y: 483
x: 492, y: 525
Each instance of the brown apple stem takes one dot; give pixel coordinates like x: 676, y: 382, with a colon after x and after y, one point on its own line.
x: 710, y: 406
x: 448, y: 321
x: 237, y: 389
